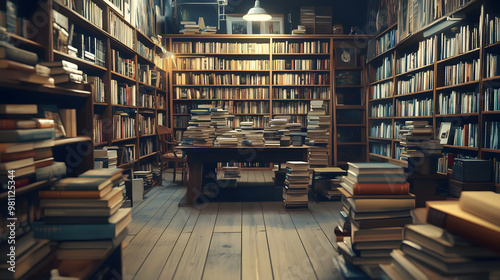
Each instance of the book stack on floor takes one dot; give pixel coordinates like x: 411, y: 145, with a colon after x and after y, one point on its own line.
x: 419, y: 147
x: 200, y: 128
x: 26, y: 146
x: 461, y: 241
x: 84, y: 214
x: 295, y: 192
x: 65, y: 73
x: 377, y: 204
x: 231, y: 171
x: 326, y: 181
x: 20, y: 66
x: 318, y: 134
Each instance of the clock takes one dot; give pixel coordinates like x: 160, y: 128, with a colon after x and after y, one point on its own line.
x: 346, y: 57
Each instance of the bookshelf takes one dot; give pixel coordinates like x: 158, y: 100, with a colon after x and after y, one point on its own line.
x: 450, y: 76
x: 259, y: 77
x: 126, y: 76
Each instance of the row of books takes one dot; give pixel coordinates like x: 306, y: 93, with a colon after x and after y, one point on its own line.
x: 492, y: 65
x: 123, y: 94
x: 122, y: 65
x: 146, y: 99
x: 302, y: 93
x: 146, y: 123
x: 88, y: 9
x: 383, y: 149
x: 121, y: 31
x: 123, y: 125
x: 301, y: 79
x: 456, y: 102
x: 147, y: 146
x: 382, y: 90
x: 464, y: 39
x: 145, y: 51
x: 220, y: 79
x: 148, y: 76
x: 385, y: 42
x: 415, y: 15
x: 492, y: 27
x: 420, y: 81
x: 424, y: 55
x: 414, y: 107
x: 98, y: 127
x: 161, y: 119
x: 384, y: 71
x: 99, y: 93
x: 216, y: 63
x: 299, y: 107
x: 222, y: 93
x: 296, y: 189
x: 161, y: 101
x: 247, y: 107
x: 220, y: 47
x: 302, y: 47
x: 462, y: 72
x: 381, y: 130
x: 381, y: 110
x: 301, y: 64
x: 491, y: 135
x: 491, y: 99
x: 465, y: 135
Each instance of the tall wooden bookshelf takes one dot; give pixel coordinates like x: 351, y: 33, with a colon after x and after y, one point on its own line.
x: 424, y: 69
x: 77, y: 152
x: 292, y: 71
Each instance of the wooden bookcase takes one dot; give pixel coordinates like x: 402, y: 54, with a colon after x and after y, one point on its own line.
x: 277, y: 95
x: 77, y: 152
x: 434, y: 60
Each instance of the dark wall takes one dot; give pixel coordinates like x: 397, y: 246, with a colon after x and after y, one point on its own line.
x: 349, y: 13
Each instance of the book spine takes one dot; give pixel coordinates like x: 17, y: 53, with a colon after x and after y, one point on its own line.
x: 365, y: 189
x: 73, y: 232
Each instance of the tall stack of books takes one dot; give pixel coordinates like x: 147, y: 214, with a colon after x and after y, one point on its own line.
x: 200, y: 128
x: 107, y: 157
x: 295, y: 191
x: 377, y: 205
x: 318, y: 134
x: 65, y: 73
x: 272, y: 136
x: 251, y: 137
x: 146, y: 176
x: 419, y: 147
x: 219, y: 119
x: 461, y: 241
x: 26, y: 146
x: 190, y: 28
x: 84, y: 214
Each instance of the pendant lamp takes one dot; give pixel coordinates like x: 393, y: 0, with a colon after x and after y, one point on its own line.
x: 257, y: 13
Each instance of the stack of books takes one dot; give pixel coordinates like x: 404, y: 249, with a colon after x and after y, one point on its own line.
x: 200, y: 128
x: 146, y: 176
x: 461, y: 241
x: 190, y: 28
x: 84, y: 214
x: 272, y: 134
x: 107, y: 157
x: 26, y: 146
x: 20, y: 66
x: 209, y: 30
x: 65, y: 73
x: 419, y: 147
x: 295, y: 192
x: 253, y: 138
x: 326, y: 181
x: 377, y: 204
x: 318, y: 134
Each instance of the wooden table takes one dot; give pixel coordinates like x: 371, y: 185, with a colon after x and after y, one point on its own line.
x: 198, y: 157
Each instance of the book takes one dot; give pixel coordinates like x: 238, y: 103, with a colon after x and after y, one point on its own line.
x: 374, y: 168
x: 376, y: 178
x: 60, y: 64
x: 448, y: 215
x: 8, y: 157
x: 62, y: 232
x: 56, y: 170
x: 83, y: 211
x: 15, y: 164
x: 94, y: 244
x: 374, y: 189
x: 379, y: 223
x: 7, y: 148
x: 18, y: 109
x: 74, y: 194
x: 44, y: 162
x: 65, y: 70
x: 82, y: 184
x: 484, y: 204
x: 68, y: 118
x: 8, y: 51
x: 376, y: 234
x: 369, y: 203
x: 17, y: 124
x: 109, y: 200
x: 455, y: 265
x: 112, y: 173
x: 26, y: 261
x: 26, y: 135
x: 13, y: 65
x: 354, y: 259
x: 26, y: 77
x: 444, y: 243
x: 68, y: 77
x: 22, y: 171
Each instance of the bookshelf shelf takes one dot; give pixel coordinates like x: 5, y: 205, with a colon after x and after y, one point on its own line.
x: 379, y: 138
x: 301, y: 54
x: 491, y: 112
x: 186, y: 85
x: 349, y: 107
x: 118, y: 45
x: 381, y: 99
x: 492, y: 46
x: 496, y: 78
x: 100, y: 104
x: 381, y: 55
x: 492, y: 151
x: 21, y: 41
x: 301, y: 71
x: 220, y: 54
x: 26, y: 189
x: 414, y: 93
x: 351, y: 125
x: 214, y: 70
x: 223, y: 99
x: 458, y: 115
x: 123, y: 140
x: 461, y: 147
x: 380, y: 118
x: 348, y: 68
x: 142, y: 37
x: 462, y: 56
x: 122, y: 77
x: 294, y: 99
x: 42, y: 91
x: 82, y: 64
x: 142, y: 59
x: 425, y: 67
x: 414, y: 117
x: 377, y: 156
x: 280, y: 114
x: 146, y: 135
x: 327, y: 85
x: 124, y: 106
x: 353, y: 86
x: 381, y: 81
x: 468, y: 84
x: 73, y: 140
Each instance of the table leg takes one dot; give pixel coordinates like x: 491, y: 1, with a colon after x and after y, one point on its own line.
x: 194, y: 183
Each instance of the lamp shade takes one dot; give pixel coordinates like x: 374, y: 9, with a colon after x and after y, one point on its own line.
x: 257, y: 13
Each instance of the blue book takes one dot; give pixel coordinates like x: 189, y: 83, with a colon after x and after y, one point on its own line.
x: 117, y: 223
x: 27, y: 135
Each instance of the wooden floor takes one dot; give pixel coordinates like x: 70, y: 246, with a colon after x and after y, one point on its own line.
x: 229, y: 240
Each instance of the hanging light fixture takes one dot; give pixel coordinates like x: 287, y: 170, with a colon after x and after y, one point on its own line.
x: 257, y: 13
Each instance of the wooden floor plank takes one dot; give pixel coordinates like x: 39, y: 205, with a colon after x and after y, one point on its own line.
x: 193, y: 259
x: 228, y: 217
x: 148, y: 198
x: 224, y: 256
x: 145, y: 214
x: 168, y: 271
x: 256, y: 263
x: 140, y: 247
x: 158, y: 256
x: 325, y: 219
x: 319, y: 249
x: 288, y: 257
